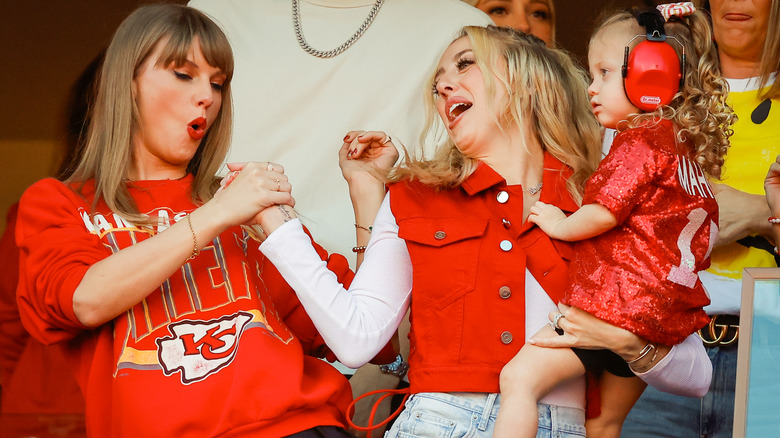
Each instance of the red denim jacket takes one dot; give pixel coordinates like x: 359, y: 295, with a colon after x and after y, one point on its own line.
x: 469, y: 253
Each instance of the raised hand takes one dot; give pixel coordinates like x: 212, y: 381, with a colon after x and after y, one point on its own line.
x: 364, y: 152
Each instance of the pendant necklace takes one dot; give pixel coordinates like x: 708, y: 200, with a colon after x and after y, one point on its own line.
x: 330, y: 53
x: 535, y: 189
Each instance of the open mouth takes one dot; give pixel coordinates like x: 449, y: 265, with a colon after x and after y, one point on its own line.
x: 197, y: 128
x: 456, y: 108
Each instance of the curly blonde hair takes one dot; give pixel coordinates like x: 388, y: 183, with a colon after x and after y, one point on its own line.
x: 546, y: 90
x: 699, y: 110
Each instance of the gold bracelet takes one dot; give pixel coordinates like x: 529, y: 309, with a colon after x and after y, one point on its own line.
x: 359, y: 249
x: 195, y: 250
x: 644, y: 352
x: 368, y: 228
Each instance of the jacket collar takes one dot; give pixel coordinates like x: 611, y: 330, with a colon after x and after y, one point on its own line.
x: 554, y: 179
x: 483, y: 178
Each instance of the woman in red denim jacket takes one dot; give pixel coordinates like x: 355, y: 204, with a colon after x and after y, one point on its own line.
x: 451, y: 240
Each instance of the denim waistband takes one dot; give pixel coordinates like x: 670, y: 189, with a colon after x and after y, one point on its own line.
x: 484, y: 404
x: 483, y: 408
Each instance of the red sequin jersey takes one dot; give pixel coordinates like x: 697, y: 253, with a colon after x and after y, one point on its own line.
x: 642, y: 274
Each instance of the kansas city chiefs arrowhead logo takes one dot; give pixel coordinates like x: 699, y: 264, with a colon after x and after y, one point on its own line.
x: 198, y: 349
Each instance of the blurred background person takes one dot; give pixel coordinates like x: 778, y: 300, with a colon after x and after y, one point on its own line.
x: 40, y: 396
x: 536, y: 17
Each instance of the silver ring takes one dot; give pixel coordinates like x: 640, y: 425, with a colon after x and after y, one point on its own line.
x: 555, y: 320
x: 278, y: 186
x: 270, y: 166
x: 387, y: 140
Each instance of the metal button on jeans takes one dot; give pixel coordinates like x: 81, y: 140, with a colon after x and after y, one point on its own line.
x: 505, y: 292
x: 505, y: 245
x: 502, y: 197
x: 506, y: 337
x: 439, y: 235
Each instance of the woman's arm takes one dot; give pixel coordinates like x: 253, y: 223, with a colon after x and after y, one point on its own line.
x: 357, y: 323
x: 118, y: 282
x: 362, y: 155
x: 740, y: 214
x: 772, y: 190
x: 683, y: 369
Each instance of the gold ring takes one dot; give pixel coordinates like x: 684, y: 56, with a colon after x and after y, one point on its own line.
x: 278, y: 186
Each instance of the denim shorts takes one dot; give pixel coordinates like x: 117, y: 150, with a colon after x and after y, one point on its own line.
x: 446, y: 415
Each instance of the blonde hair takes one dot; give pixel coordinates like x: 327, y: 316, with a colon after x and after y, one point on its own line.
x: 108, y: 152
x: 699, y: 110
x: 545, y: 89
x: 550, y: 4
x: 770, y: 54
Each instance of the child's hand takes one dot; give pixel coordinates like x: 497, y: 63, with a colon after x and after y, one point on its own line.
x: 547, y: 217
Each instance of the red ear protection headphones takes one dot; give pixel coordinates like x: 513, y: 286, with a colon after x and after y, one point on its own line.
x: 652, y: 74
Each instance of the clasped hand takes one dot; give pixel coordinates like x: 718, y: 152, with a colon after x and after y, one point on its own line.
x: 250, y: 188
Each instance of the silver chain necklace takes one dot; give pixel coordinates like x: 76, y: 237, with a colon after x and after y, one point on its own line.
x: 535, y: 189
x: 331, y: 53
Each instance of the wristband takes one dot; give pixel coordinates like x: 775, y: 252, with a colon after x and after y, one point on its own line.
x: 399, y: 367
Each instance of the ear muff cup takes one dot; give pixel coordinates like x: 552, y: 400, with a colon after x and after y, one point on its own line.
x: 652, y: 75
